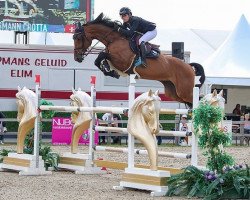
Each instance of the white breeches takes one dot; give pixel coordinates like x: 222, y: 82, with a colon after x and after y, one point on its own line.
x: 148, y: 36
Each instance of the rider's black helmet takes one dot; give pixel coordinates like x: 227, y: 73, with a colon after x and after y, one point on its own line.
x: 125, y: 10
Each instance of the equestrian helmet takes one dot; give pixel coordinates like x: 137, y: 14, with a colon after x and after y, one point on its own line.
x: 125, y: 10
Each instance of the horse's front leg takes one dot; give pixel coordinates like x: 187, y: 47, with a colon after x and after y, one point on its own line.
x: 102, y: 63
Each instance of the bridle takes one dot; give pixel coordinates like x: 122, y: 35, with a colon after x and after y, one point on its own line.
x: 80, y: 34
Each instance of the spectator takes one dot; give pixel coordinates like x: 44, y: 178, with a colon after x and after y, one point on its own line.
x: 112, y: 121
x: 247, y: 124
x: 184, y: 127
x: 237, y: 110
x: 117, y: 117
x: 108, y: 117
x: 159, y: 138
x: 3, y: 128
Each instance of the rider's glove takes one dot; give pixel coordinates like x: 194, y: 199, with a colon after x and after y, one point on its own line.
x: 116, y: 27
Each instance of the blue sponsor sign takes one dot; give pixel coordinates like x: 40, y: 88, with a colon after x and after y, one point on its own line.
x: 43, y: 15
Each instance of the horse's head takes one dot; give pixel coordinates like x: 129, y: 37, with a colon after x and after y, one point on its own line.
x: 81, y: 42
x: 215, y: 99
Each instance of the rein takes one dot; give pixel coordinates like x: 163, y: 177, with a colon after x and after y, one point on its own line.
x: 87, y: 52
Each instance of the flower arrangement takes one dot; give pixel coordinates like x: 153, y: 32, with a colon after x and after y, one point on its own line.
x: 223, y: 179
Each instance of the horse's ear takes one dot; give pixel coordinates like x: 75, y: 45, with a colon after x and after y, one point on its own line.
x: 19, y: 89
x: 73, y: 90
x: 78, y: 27
x: 157, y: 93
x: 100, y: 17
x: 150, y: 93
x: 221, y: 93
x: 214, y: 93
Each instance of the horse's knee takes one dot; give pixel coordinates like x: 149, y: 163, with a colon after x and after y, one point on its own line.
x: 102, y: 56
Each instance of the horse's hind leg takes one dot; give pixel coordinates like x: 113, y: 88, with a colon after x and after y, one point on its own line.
x: 170, y: 91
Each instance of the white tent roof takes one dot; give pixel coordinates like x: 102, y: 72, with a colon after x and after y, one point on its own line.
x: 201, y: 43
x: 231, y: 60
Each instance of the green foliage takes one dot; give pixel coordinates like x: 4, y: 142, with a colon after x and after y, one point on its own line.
x: 4, y: 152
x: 221, y: 181
x: 231, y: 184
x: 168, y: 126
x: 50, y: 158
x: 11, y: 126
x: 211, y: 138
x: 47, y: 114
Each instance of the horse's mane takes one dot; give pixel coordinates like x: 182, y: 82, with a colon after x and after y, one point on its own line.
x: 104, y: 20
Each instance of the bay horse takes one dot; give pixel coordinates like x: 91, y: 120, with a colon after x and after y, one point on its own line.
x: 176, y: 76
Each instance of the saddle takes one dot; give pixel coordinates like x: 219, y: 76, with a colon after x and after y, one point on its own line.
x: 152, y: 50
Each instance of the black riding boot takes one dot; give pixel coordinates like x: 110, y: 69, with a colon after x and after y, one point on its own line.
x: 107, y: 71
x: 143, y: 54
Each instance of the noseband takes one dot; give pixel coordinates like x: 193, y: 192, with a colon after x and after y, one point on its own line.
x: 81, y: 36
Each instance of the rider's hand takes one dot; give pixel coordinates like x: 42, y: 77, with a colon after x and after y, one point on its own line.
x: 116, y: 27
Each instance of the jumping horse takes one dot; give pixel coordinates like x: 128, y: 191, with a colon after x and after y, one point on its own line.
x: 177, y: 76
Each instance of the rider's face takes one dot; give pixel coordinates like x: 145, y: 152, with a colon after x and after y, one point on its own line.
x: 125, y: 17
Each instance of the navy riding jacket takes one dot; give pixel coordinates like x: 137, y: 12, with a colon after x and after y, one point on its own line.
x: 136, y: 24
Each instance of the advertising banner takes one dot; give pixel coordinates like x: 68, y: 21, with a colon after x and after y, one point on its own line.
x: 20, y: 63
x: 62, y: 131
x: 44, y: 15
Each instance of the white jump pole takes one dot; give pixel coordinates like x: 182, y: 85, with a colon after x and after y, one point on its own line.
x: 143, y: 152
x: 175, y: 111
x: 37, y: 125
x: 196, y: 91
x: 98, y: 109
x: 131, y: 138
x: 92, y: 123
x: 161, y: 132
x: 102, y: 109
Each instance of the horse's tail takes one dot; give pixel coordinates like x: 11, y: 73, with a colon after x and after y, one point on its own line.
x: 199, y: 71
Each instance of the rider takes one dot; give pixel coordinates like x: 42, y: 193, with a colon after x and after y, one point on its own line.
x: 132, y: 24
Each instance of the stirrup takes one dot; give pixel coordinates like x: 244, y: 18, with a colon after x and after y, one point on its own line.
x: 105, y: 66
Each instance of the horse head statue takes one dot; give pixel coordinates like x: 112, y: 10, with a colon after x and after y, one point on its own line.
x: 143, y: 123
x: 81, y: 120
x: 26, y: 105
x: 217, y: 100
